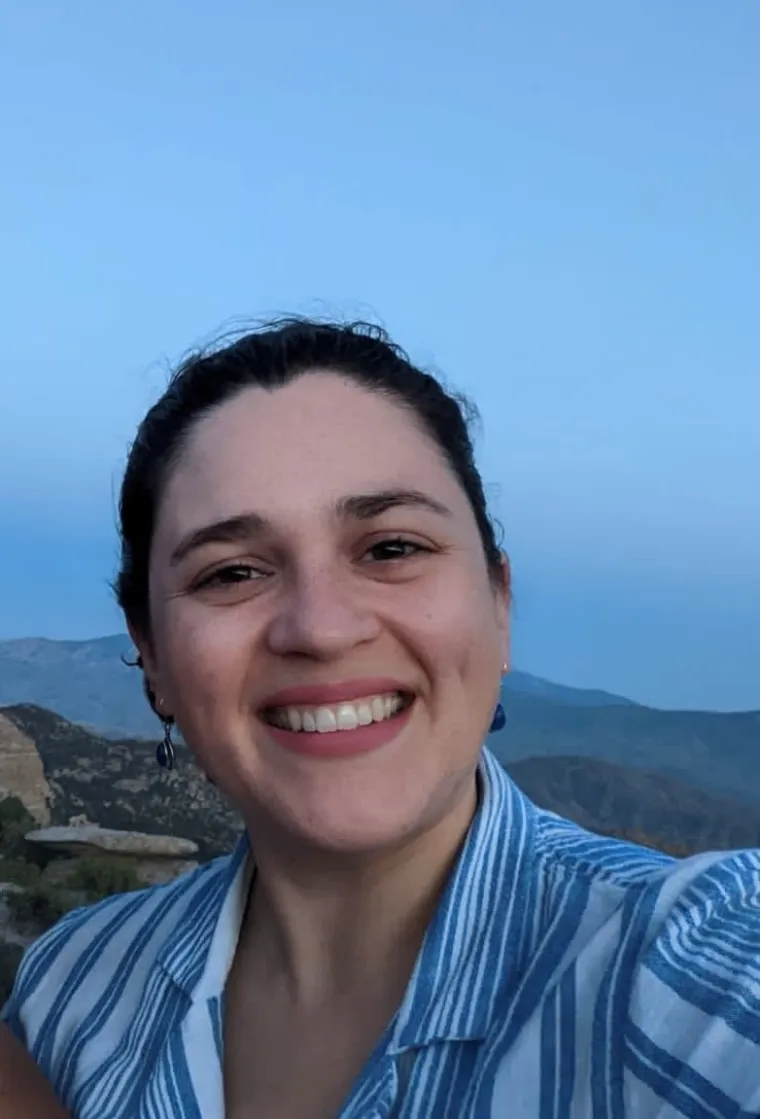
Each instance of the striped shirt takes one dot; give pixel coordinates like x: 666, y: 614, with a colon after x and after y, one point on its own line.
x: 563, y: 976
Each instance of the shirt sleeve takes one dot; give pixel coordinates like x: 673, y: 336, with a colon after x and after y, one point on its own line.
x: 37, y: 967
x: 692, y: 1037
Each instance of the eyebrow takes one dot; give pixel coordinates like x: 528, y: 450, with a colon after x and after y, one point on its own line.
x: 360, y: 507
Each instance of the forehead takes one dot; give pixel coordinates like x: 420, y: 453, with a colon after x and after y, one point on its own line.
x: 298, y: 449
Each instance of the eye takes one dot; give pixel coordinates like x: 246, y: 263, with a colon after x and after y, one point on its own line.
x: 230, y: 576
x: 397, y: 548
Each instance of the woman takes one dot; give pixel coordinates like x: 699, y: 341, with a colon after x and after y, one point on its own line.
x: 320, y: 604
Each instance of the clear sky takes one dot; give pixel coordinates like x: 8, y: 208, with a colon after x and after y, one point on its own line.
x: 557, y: 204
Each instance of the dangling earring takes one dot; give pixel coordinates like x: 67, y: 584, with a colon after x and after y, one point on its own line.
x: 165, y: 750
x: 499, y: 715
x: 498, y: 720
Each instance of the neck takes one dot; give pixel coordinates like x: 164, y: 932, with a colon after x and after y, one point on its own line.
x: 329, y: 926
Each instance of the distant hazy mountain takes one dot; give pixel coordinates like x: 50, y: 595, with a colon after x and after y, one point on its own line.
x: 87, y: 682
x: 117, y: 783
x: 522, y: 683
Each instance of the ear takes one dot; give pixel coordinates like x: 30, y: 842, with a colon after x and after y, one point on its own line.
x: 504, y: 597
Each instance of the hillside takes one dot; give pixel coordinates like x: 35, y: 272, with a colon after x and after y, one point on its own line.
x: 88, y: 683
x: 619, y: 801
x: 117, y: 784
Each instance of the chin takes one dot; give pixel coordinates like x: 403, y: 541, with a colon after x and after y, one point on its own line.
x: 375, y: 801
x: 376, y: 814
x: 356, y: 829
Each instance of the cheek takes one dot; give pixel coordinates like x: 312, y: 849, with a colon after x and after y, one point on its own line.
x: 203, y: 657
x: 459, y: 629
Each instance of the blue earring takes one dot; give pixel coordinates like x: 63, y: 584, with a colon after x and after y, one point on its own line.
x: 499, y: 719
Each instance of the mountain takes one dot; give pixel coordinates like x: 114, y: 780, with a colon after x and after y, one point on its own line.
x: 85, y: 681
x: 522, y: 683
x: 116, y: 783
x: 716, y: 752
x: 88, y: 683
x: 619, y: 801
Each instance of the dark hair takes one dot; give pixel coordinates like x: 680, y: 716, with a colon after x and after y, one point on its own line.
x: 269, y: 358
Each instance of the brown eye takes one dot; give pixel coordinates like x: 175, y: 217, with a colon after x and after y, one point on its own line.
x: 396, y: 549
x: 231, y: 576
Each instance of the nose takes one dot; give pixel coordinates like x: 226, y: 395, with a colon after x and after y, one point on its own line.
x: 321, y: 616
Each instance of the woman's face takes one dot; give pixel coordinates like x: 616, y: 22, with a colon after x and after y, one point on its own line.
x: 316, y: 563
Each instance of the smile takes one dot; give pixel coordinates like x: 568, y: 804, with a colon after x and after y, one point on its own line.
x: 329, y: 718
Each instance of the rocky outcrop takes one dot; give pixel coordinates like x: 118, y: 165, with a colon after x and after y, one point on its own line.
x: 90, y: 839
x: 21, y: 771
x: 153, y: 858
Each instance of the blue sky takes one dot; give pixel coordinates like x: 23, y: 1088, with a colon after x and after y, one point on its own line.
x: 555, y: 204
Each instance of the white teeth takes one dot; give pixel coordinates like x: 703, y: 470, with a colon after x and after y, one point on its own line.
x: 348, y: 718
x: 326, y: 721
x: 343, y: 716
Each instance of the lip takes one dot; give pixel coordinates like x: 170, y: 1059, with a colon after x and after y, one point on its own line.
x: 316, y: 695
x: 342, y: 744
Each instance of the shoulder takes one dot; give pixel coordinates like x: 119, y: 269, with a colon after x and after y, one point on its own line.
x: 693, y: 1022
x: 652, y: 993
x: 565, y: 848
x: 691, y: 926
x: 705, y: 950
x: 67, y: 970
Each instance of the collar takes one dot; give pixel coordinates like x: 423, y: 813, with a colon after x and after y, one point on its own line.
x: 200, y: 948
x: 482, y: 926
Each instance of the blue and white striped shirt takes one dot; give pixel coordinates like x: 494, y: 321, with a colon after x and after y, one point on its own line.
x: 564, y: 976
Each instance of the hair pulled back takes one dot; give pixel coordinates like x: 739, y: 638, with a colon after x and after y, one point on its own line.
x: 269, y: 358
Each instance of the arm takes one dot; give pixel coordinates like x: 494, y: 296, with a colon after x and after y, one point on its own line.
x: 24, y: 1091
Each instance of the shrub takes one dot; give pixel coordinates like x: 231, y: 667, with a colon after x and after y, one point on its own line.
x: 15, y: 822
x: 99, y: 877
x: 38, y: 907
x: 10, y: 958
x: 14, y: 811
x: 19, y: 871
